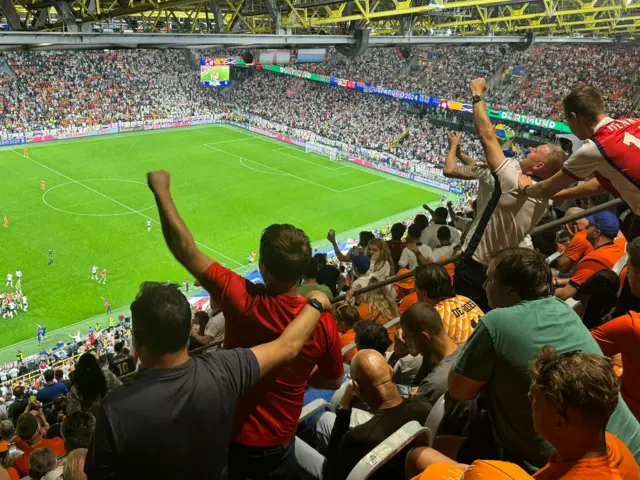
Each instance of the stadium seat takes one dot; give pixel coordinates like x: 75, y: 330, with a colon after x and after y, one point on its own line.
x: 401, y: 438
x: 313, y: 407
x: 552, y: 258
x: 435, y: 418
x: 599, y: 295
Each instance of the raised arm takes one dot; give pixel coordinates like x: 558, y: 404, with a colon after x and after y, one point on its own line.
x: 451, y: 168
x: 176, y: 234
x: 464, y: 158
x: 484, y: 127
x: 550, y: 187
x: 331, y: 236
x: 287, y: 346
x: 587, y: 189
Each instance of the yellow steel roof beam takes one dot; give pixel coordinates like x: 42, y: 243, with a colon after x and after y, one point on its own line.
x: 406, y: 11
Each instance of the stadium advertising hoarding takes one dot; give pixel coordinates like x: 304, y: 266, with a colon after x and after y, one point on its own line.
x: 12, y: 141
x: 502, y: 115
x: 292, y: 72
x: 529, y: 120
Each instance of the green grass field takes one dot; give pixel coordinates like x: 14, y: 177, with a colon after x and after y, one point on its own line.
x: 228, y: 185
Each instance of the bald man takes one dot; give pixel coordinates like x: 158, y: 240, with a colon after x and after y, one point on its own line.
x: 579, y: 245
x: 371, y: 383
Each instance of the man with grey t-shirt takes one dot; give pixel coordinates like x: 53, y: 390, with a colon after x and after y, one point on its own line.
x: 178, y: 409
x: 509, y: 215
x: 425, y: 335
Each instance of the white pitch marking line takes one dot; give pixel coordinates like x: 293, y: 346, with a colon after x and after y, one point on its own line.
x: 365, y: 185
x: 228, y: 141
x: 272, y: 168
x: 359, y: 168
x: 308, y: 161
x: 116, y: 201
x: 260, y: 171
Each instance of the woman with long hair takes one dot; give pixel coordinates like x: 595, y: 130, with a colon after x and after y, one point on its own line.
x: 90, y: 385
x: 378, y: 306
x: 382, y: 266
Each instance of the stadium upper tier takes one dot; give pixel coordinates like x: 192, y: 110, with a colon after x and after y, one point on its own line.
x: 43, y: 90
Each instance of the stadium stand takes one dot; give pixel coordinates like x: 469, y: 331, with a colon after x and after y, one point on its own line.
x: 529, y: 353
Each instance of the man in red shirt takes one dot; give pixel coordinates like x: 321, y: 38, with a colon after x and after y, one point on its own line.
x: 610, y: 154
x: 266, y: 418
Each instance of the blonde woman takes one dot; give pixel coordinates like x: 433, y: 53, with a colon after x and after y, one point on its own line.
x: 382, y: 266
x: 378, y: 306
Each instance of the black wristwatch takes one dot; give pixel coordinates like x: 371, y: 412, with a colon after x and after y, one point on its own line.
x: 477, y: 98
x: 315, y: 304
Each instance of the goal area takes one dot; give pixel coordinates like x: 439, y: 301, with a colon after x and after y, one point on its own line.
x: 323, y: 150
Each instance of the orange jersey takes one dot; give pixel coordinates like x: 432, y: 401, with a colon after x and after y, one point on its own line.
x: 369, y: 313
x: 617, y: 464
x: 347, y: 338
x: 578, y: 247
x: 460, y: 316
x: 622, y: 335
x: 478, y: 470
x: 601, y: 258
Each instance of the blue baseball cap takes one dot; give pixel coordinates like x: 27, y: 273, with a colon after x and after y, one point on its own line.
x: 361, y: 263
x: 606, y: 222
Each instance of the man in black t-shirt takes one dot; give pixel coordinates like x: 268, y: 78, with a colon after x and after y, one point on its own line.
x: 174, y: 419
x: 372, y: 383
x: 122, y: 363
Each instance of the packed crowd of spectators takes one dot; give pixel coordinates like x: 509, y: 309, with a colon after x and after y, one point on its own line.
x: 491, y: 333
x: 551, y: 69
x: 75, y: 89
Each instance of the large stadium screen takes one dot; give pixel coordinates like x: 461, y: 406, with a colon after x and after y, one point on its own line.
x: 214, y: 72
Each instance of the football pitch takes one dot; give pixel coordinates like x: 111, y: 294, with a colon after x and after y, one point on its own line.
x: 228, y: 184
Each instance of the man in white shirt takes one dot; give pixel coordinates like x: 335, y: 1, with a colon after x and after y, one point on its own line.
x: 446, y: 249
x: 18, y: 276
x: 415, y: 253
x: 509, y: 215
x: 430, y: 234
x: 9, y: 280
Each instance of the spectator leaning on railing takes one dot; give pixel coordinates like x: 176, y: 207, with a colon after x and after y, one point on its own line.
x: 510, y: 215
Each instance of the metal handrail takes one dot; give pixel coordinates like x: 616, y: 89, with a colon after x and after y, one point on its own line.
x: 538, y: 229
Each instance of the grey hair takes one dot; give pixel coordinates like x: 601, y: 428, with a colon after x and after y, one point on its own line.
x: 41, y: 462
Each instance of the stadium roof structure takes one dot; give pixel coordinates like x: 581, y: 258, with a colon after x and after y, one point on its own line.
x: 455, y: 21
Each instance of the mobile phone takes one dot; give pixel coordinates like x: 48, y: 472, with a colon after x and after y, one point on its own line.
x: 12, y: 448
x: 332, y: 232
x: 32, y: 398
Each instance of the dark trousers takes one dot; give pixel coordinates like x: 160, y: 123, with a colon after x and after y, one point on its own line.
x: 253, y: 463
x: 469, y: 279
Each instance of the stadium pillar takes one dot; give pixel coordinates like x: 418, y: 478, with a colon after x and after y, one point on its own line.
x: 91, y: 7
x: 13, y: 19
x: 218, y: 26
x: 274, y: 11
x: 66, y: 13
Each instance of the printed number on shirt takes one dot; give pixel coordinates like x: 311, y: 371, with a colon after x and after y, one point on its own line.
x: 631, y: 140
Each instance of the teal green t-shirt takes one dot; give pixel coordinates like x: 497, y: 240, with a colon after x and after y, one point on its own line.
x: 499, y: 351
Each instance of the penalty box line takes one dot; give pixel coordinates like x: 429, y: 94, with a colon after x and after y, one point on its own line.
x: 72, y: 180
x: 295, y: 176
